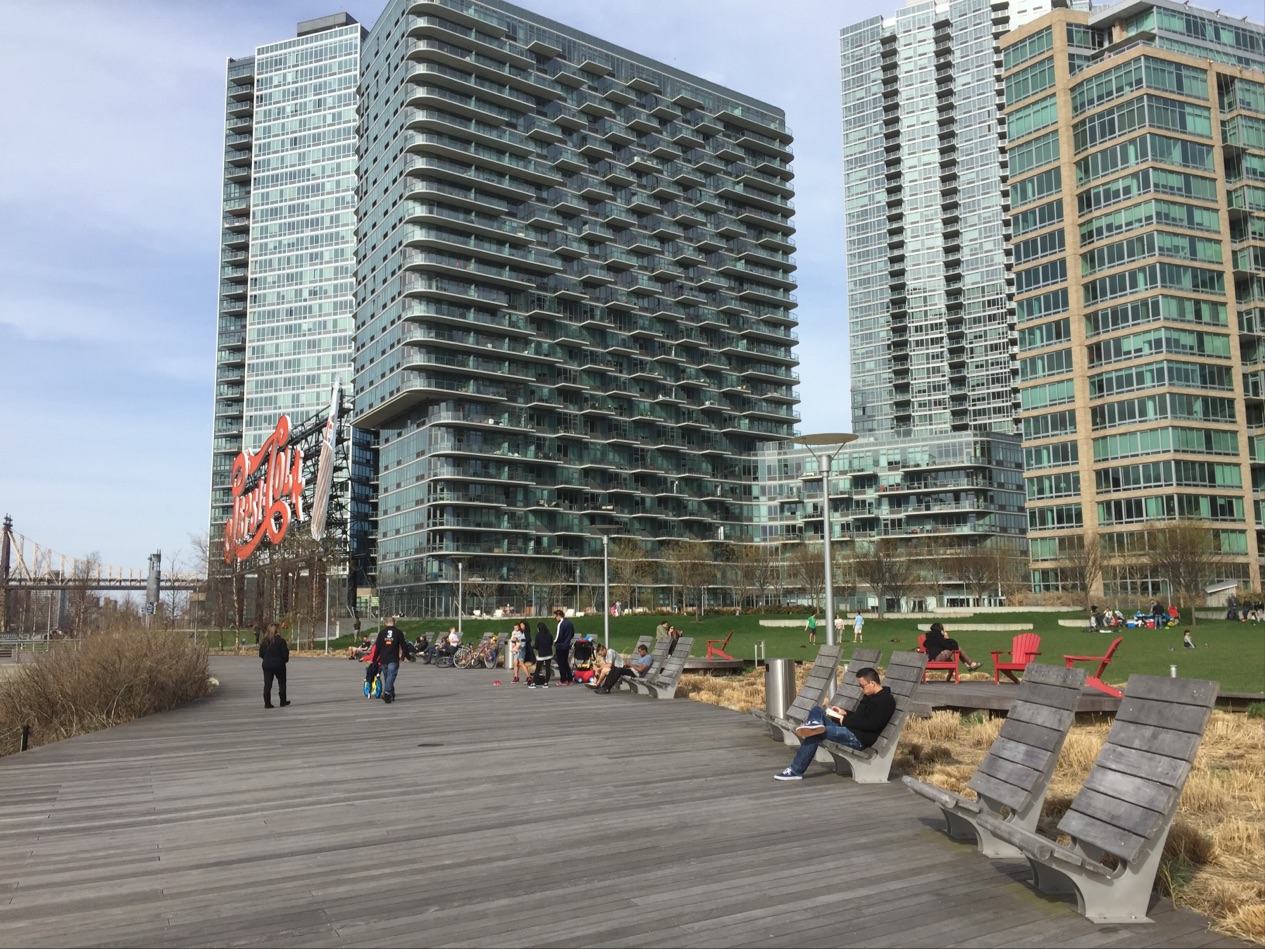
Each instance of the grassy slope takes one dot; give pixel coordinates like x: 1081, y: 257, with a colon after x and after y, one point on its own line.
x: 1235, y: 654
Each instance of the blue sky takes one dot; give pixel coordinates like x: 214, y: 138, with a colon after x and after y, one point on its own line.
x: 110, y: 198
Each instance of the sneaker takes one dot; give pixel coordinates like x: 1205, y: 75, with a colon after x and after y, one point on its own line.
x: 544, y: 685
x: 591, y: 685
x: 531, y: 685
x: 788, y: 775
x: 515, y: 678
x: 809, y: 731
x: 602, y: 691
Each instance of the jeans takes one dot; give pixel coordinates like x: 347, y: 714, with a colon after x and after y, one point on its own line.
x: 808, y: 747
x: 388, y: 678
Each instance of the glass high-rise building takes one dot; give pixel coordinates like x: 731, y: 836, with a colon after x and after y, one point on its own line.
x: 287, y: 259
x: 1137, y: 164
x: 574, y: 297
x: 929, y: 314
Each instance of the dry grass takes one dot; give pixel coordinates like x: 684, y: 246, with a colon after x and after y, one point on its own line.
x: 100, y: 681
x: 1212, y: 857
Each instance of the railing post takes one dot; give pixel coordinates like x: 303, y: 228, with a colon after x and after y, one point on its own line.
x: 26, y: 738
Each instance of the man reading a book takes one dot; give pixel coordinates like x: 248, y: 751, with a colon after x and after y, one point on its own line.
x: 859, y: 728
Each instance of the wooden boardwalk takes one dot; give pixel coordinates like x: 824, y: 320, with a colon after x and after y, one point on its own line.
x: 467, y: 814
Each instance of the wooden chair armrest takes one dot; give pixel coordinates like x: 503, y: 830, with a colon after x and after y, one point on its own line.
x: 1000, y: 652
x: 1070, y: 659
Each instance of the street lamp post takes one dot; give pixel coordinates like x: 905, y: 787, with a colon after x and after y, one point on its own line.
x: 460, y: 601
x: 606, y: 590
x: 830, y: 445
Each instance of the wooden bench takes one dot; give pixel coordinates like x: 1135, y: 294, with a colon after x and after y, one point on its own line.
x: 716, y: 648
x: 1120, y: 818
x: 1023, y: 649
x: 662, y: 684
x: 949, y: 667
x: 1012, y: 780
x: 1095, y: 679
x: 872, y: 765
x: 658, y: 656
x: 816, y: 687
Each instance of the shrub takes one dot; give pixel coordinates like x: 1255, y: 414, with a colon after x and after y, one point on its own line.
x: 83, y: 686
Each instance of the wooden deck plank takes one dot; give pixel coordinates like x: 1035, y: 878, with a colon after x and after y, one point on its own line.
x: 496, y: 809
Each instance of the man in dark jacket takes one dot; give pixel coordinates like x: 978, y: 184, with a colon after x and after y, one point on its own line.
x: 388, y: 651
x: 562, y: 647
x: 859, y: 728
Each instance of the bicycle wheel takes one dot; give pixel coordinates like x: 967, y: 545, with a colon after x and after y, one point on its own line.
x: 464, y: 659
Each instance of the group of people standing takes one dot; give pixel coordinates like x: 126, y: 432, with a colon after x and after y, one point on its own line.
x: 535, y: 655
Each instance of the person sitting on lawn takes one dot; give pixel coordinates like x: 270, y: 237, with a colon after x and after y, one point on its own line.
x: 858, y: 729
x: 941, y: 649
x: 638, y: 665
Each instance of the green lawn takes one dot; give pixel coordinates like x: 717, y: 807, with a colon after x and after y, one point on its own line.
x: 1234, y: 653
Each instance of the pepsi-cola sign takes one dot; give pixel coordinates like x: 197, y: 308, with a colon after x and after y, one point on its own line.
x: 266, y: 509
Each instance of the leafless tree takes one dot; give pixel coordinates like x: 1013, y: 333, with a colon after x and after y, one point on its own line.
x: 630, y: 569
x: 807, y: 570
x: 1186, y: 555
x: 976, y: 569
x: 885, y: 566
x: 80, y: 601
x: 1082, y: 556
x: 934, y: 568
x: 844, y: 574
x: 692, y: 565
x: 481, y: 583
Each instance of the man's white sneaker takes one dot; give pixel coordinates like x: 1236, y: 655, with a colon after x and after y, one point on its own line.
x: 788, y: 775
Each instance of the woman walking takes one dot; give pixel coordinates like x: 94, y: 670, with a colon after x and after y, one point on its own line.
x: 275, y: 653
x: 544, y: 657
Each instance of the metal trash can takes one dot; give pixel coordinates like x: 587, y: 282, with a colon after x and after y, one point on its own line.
x: 779, y: 686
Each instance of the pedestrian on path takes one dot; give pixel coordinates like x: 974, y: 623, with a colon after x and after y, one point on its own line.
x: 274, y: 653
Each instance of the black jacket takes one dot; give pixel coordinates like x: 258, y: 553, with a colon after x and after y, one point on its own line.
x: 544, y: 645
x: 275, y: 654
x: 871, y: 716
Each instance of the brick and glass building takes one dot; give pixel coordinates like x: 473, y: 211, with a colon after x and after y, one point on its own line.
x: 1137, y: 182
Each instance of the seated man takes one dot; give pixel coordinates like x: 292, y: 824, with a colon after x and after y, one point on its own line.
x: 359, y: 652
x: 638, y: 665
x: 857, y: 729
x: 446, y: 646
x: 604, y: 661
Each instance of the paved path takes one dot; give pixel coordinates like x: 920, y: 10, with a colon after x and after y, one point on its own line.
x: 472, y: 815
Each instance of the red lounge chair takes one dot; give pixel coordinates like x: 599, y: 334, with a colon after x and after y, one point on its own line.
x: 1103, y: 661
x: 716, y: 648
x: 1023, y: 649
x: 942, y: 666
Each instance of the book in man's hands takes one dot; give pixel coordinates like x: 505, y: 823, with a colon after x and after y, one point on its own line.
x: 834, y: 714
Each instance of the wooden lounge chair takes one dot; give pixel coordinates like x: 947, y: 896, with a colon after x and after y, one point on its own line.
x: 1103, y: 661
x: 1014, y: 776
x: 1119, y: 819
x: 1023, y: 649
x: 873, y: 765
x: 949, y: 667
x: 662, y: 684
x: 817, y: 685
x: 658, y: 655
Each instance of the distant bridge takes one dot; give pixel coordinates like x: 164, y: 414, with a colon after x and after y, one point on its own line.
x: 26, y: 565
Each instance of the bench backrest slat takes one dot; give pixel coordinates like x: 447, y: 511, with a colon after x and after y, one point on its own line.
x: 849, y: 693
x: 1021, y: 760
x: 904, y: 674
x: 659, y: 654
x: 1133, y: 787
x: 674, y: 666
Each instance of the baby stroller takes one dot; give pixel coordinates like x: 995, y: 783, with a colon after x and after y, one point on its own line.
x: 373, y: 681
x: 582, y: 660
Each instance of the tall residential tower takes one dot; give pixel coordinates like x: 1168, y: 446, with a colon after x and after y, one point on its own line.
x: 929, y: 314
x: 287, y: 259
x: 574, y: 297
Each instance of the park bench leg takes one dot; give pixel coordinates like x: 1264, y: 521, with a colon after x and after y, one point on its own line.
x: 1121, y: 898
